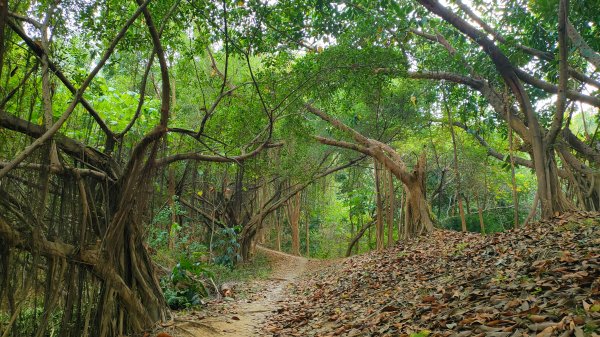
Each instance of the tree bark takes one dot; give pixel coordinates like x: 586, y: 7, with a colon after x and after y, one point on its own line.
x: 307, y: 238
x: 293, y: 214
x: 513, y: 178
x: 379, y: 204
x: 480, y: 213
x: 278, y: 230
x: 391, y: 208
x: 461, y: 210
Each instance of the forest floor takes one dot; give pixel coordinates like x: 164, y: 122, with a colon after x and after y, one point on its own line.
x: 542, y: 280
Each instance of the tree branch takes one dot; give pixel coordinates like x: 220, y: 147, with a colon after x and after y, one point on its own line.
x: 563, y: 73
x: 219, y: 159
x: 56, y: 126
x: 39, y: 52
x: 584, y: 49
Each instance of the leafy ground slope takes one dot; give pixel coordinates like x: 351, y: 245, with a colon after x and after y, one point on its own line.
x: 543, y: 280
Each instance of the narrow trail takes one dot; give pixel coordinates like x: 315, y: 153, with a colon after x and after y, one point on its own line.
x: 244, y: 317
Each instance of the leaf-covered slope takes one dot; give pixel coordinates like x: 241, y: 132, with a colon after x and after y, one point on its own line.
x: 541, y: 280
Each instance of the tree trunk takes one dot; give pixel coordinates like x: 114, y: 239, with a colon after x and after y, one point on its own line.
x: 513, y: 178
x: 461, y: 211
x: 293, y: 213
x: 533, y: 210
x: 480, y: 212
x: 307, y: 238
x: 391, y: 208
x: 418, y: 218
x: 401, y: 220
x: 171, y: 198
x: 379, y: 228
x: 278, y: 230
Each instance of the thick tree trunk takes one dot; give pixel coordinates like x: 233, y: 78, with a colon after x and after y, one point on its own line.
x: 418, y: 217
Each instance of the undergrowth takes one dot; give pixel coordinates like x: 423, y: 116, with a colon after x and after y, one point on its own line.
x: 258, y: 268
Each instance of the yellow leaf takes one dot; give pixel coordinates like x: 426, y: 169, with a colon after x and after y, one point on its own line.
x: 413, y: 100
x: 199, y: 193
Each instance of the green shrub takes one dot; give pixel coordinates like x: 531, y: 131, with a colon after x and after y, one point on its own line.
x: 185, y: 286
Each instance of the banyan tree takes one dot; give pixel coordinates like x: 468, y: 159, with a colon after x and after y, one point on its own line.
x: 75, y: 183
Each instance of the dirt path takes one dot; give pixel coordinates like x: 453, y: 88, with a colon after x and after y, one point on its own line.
x: 243, y: 317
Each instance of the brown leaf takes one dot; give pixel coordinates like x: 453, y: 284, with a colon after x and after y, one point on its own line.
x: 428, y: 299
x: 576, y: 275
x: 389, y: 308
x: 586, y: 305
x: 499, y: 322
x: 512, y: 304
x: 547, y: 332
x: 541, y: 326
x: 567, y: 257
x: 537, y: 318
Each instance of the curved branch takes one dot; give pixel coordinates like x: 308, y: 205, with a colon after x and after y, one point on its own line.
x: 338, y: 124
x: 551, y: 88
x: 39, y: 52
x: 80, y: 151
x: 476, y: 84
x: 490, y: 150
x: 582, y: 148
x: 542, y: 55
x: 584, y: 49
x: 343, y: 144
x: 486, y: 90
x: 164, y: 72
x: 219, y: 159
